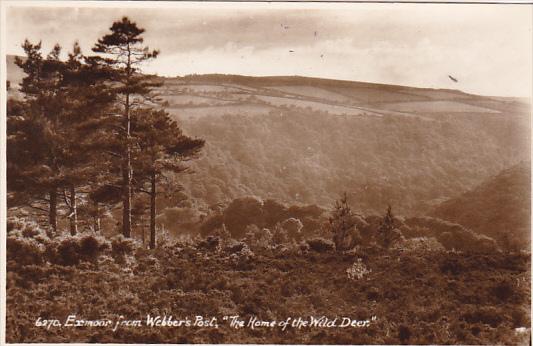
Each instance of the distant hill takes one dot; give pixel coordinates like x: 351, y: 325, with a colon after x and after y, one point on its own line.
x: 500, y: 207
x: 305, y: 140
x: 14, y: 73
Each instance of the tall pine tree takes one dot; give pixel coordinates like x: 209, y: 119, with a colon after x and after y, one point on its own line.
x: 35, y: 135
x: 122, y: 52
x: 162, y: 147
x: 52, y: 138
x: 87, y: 103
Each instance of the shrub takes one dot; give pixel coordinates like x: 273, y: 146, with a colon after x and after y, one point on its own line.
x: 419, y: 244
x: 211, y: 224
x: 274, y: 212
x: 358, y: 270
x: 121, y: 247
x: 13, y: 224
x: 451, y: 266
x: 319, y: 244
x: 242, y: 212
x: 454, y: 236
x: 303, y: 247
x: 241, y: 260
x: 222, y: 232
x: 342, y: 225
x: 234, y: 247
x: 486, y: 315
x: 91, y: 246
x: 293, y: 228
x: 211, y: 244
x: 71, y: 250
x: 24, y: 228
x: 24, y: 251
x: 279, y: 236
x: 404, y: 333
x: 68, y: 251
x: 258, y: 239
x: 504, y: 290
x: 387, y: 232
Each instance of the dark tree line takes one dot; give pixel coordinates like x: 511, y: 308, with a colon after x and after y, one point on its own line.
x: 89, y: 129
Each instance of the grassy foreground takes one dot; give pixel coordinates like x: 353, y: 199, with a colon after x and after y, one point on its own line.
x: 418, y: 297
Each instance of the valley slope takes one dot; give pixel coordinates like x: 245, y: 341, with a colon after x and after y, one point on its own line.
x: 499, y: 207
x: 306, y: 140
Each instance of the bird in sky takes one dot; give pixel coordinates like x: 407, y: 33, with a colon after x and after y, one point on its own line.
x: 453, y: 79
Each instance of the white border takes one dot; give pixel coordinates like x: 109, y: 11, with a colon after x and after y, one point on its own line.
x: 4, y: 4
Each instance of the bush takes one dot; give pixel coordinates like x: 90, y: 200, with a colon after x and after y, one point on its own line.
x: 387, y: 232
x: 13, y: 224
x: 303, y: 248
x: 24, y: 251
x: 279, y: 236
x: 404, y: 333
x: 486, y: 315
x: 68, y: 251
x: 211, y: 244
x: 258, y: 239
x: 319, y: 244
x: 234, y: 247
x: 451, y: 266
x: 121, y: 247
x: 504, y: 290
x: 211, y: 223
x: 343, y: 225
x: 27, y: 243
x: 242, y: 212
x: 419, y: 245
x: 92, y: 246
x: 71, y: 250
x: 358, y: 270
x: 293, y: 228
x: 23, y: 227
x: 241, y: 260
x: 454, y: 236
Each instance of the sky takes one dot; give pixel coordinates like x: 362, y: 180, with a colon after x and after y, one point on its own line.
x: 487, y: 48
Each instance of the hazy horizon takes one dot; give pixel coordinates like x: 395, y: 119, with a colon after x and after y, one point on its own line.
x: 487, y: 48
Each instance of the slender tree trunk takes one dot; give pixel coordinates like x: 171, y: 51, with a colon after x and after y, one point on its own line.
x: 96, y: 217
x: 52, y: 212
x: 152, y: 211
x: 126, y: 203
x: 126, y: 175
x: 127, y: 169
x: 143, y: 229
x: 73, y: 211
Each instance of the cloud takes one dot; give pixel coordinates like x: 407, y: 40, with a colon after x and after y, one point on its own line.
x: 487, y: 47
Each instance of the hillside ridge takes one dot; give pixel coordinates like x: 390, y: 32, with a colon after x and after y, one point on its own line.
x: 498, y: 207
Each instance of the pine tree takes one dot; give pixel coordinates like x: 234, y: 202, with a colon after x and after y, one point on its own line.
x: 102, y: 195
x: 342, y: 223
x: 86, y: 106
x: 386, y: 228
x: 122, y: 52
x: 35, y: 135
x: 162, y: 148
x: 51, y: 142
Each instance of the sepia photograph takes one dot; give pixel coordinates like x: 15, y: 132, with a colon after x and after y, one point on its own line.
x: 343, y: 173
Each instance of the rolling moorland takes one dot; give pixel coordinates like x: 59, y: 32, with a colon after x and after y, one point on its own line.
x: 300, y: 140
x: 246, y: 232
x: 305, y: 141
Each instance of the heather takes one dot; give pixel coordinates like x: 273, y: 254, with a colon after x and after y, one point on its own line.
x: 420, y: 292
